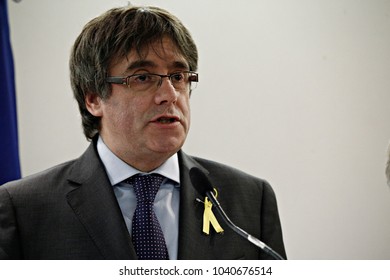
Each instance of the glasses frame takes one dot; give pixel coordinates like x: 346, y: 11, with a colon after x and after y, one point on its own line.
x: 192, y: 77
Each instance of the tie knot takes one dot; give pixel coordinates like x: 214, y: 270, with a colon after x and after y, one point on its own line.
x: 146, y: 186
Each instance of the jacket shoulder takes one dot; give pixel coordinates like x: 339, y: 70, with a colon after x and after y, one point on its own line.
x: 47, y: 177
x: 55, y: 177
x: 221, y: 170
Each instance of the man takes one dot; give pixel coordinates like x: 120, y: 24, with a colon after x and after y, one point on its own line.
x: 132, y: 70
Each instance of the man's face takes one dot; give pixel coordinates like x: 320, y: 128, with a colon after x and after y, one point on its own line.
x: 145, y: 128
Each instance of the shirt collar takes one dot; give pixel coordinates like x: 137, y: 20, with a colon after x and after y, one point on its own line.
x: 118, y: 170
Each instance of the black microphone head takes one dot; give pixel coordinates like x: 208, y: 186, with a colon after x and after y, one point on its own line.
x: 200, y: 181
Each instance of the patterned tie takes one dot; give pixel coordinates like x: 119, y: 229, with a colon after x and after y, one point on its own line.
x: 148, y: 238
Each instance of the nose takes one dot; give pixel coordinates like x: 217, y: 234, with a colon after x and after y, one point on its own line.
x: 166, y: 93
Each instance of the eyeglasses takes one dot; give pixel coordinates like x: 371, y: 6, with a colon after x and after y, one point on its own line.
x: 181, y: 81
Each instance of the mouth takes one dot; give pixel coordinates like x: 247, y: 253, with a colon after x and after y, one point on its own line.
x: 166, y: 119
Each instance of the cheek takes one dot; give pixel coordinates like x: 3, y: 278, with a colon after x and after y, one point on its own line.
x: 188, y: 116
x: 186, y: 110
x: 119, y: 116
x: 123, y: 120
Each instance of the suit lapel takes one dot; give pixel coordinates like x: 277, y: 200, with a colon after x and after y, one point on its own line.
x: 193, y: 243
x: 93, y: 201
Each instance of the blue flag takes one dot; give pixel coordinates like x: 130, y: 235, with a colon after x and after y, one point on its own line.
x: 9, y: 152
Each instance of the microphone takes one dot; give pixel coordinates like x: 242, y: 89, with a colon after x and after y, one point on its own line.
x: 204, y: 186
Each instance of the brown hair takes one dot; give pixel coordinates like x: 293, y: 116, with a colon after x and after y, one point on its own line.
x: 112, y: 36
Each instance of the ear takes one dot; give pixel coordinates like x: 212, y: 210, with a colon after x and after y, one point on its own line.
x: 94, y: 104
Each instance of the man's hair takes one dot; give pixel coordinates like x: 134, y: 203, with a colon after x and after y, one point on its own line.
x: 109, y: 38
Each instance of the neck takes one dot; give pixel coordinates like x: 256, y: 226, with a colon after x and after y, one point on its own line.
x: 143, y: 160
x: 146, y: 163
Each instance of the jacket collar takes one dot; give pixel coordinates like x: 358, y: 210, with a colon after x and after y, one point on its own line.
x: 193, y: 243
x: 93, y: 201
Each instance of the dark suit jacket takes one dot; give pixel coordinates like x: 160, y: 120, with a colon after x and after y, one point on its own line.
x: 70, y: 212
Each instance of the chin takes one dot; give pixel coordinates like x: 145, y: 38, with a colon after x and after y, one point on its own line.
x: 168, y: 147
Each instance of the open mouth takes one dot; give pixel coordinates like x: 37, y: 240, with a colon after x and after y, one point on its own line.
x: 164, y: 120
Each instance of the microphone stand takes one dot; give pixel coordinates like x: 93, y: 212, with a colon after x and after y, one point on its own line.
x: 240, y: 231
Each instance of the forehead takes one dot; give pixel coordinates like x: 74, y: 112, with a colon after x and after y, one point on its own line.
x: 161, y: 53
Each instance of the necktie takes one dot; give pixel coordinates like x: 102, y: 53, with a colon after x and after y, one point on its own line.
x: 148, y: 238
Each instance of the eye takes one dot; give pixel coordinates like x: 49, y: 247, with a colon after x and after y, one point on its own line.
x: 144, y: 81
x: 143, y: 78
x: 177, y: 77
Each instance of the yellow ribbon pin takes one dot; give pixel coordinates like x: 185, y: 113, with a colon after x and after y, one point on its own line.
x: 208, y: 217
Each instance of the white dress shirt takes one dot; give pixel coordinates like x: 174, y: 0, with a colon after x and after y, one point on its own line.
x: 166, y: 204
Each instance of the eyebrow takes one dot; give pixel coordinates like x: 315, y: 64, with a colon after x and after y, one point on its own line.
x: 148, y: 63
x: 140, y: 64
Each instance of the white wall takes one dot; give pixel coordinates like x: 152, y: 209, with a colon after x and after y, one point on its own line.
x: 296, y: 92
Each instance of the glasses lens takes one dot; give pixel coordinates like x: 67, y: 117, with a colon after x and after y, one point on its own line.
x: 143, y: 82
x: 181, y: 81
x: 184, y: 80
x: 193, y: 80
